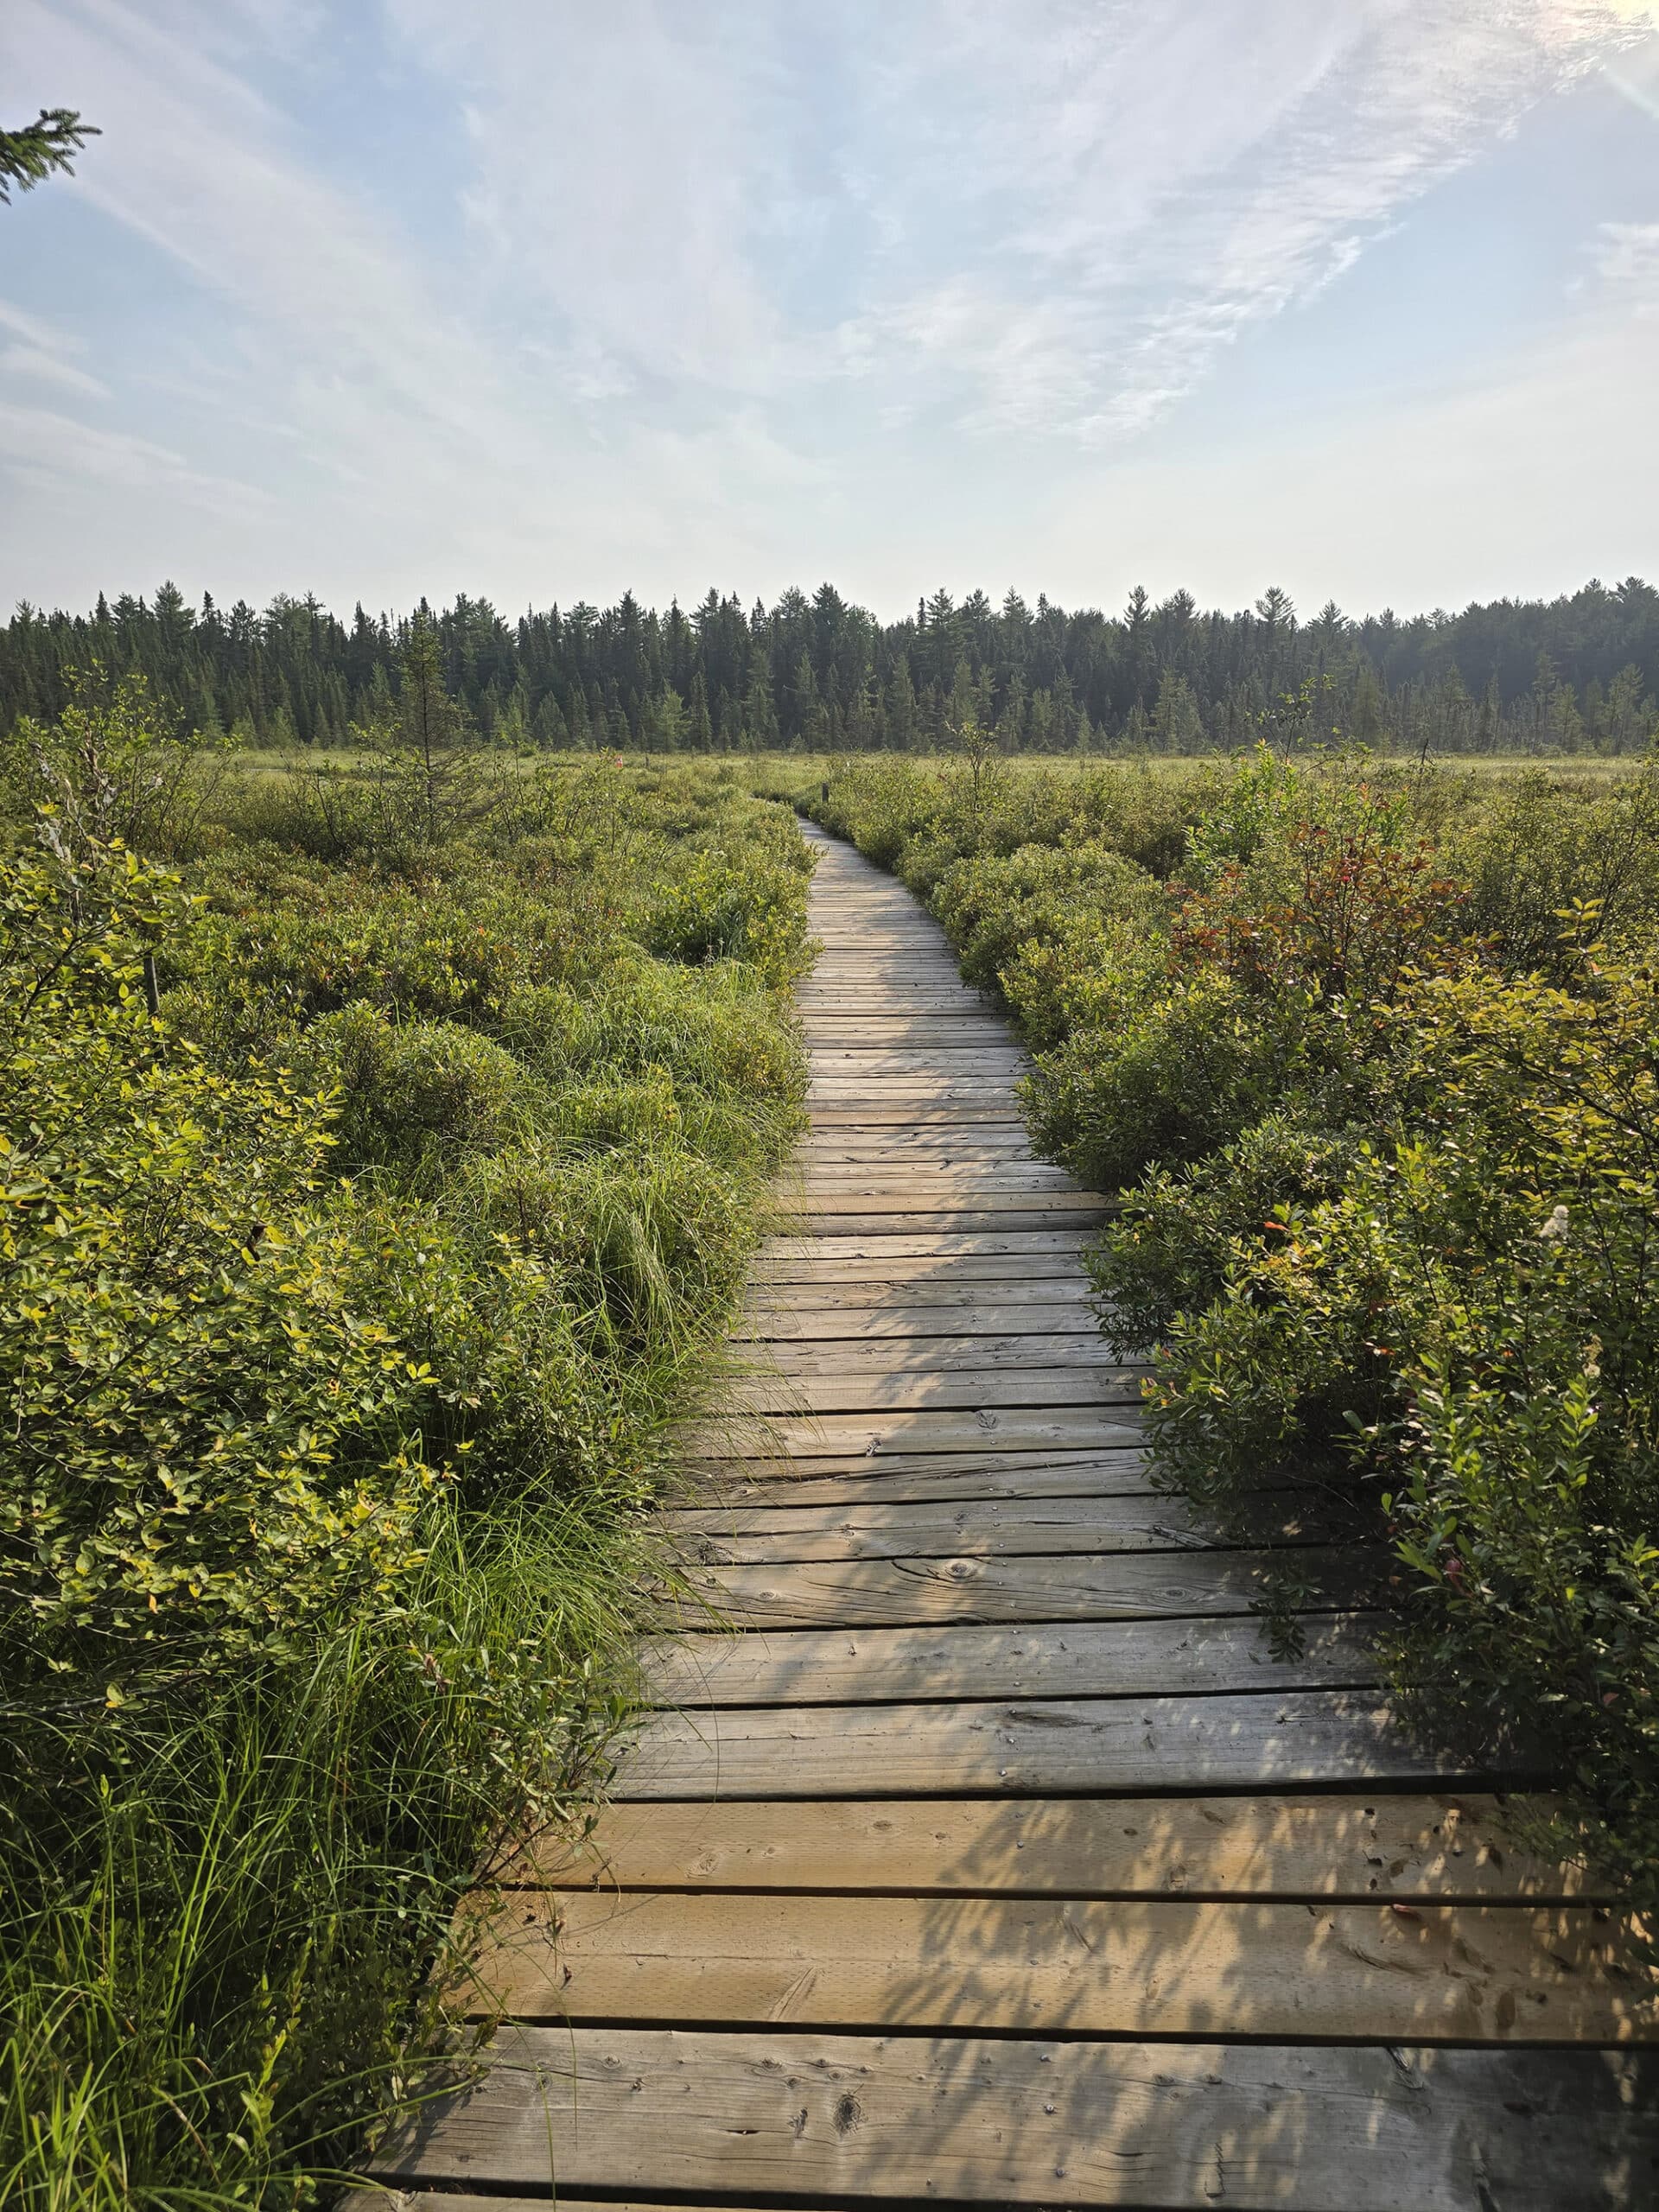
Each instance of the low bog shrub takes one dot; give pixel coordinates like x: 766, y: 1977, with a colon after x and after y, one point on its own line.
x: 345, y: 1303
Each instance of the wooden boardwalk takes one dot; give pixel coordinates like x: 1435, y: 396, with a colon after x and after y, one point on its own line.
x: 996, y: 1859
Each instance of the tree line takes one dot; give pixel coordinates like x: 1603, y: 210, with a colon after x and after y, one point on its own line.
x: 1576, y: 673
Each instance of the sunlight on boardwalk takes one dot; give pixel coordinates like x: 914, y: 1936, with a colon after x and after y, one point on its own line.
x: 996, y: 1859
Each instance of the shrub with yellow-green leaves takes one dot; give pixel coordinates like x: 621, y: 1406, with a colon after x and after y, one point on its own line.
x: 212, y: 1431
x: 345, y: 1303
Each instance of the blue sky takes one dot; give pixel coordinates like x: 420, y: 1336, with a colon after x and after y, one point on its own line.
x: 547, y: 298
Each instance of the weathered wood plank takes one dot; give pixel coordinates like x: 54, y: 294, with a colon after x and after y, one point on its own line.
x: 890, y: 1154
x: 912, y: 1327
x: 374, y: 2197
x: 1451, y: 1848
x: 960, y: 1219
x: 900, y: 1592
x: 965, y: 1352
x: 902, y: 1476
x: 992, y: 2120
x: 921, y: 1206
x: 1036, y: 1966
x: 1001, y: 1112
x: 992, y: 1051
x: 735, y: 1535
x: 894, y: 1169
x: 938, y: 1244
x: 1033, y: 1747
x: 991, y: 1391
x: 916, y: 1027
x: 865, y: 1304
x: 1069, y: 1660
x: 924, y: 1195
x: 1019, y: 1429
x: 843, y: 998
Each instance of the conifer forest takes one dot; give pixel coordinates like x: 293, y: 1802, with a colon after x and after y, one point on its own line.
x: 1578, y: 673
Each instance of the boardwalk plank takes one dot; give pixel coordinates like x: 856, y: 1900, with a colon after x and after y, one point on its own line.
x: 900, y: 1478
x: 1066, y: 1660
x: 898, y: 1326
x: 1037, y: 1965
x: 1452, y: 1849
x: 1035, y: 1747
x: 1090, y: 1526
x: 1027, y: 2121
x: 991, y: 1389
x: 1018, y: 1429
x: 913, y: 1592
x: 965, y: 1350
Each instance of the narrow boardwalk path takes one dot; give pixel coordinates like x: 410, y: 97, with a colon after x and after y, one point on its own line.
x: 996, y: 1859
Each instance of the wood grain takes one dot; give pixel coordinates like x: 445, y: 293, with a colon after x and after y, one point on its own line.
x: 1028, y: 2121
x: 892, y: 1592
x: 1451, y: 1848
x: 1037, y: 1965
x: 757, y: 1535
x: 1068, y: 1660
x: 1034, y: 1747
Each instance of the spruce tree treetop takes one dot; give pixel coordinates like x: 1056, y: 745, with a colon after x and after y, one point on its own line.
x: 28, y: 156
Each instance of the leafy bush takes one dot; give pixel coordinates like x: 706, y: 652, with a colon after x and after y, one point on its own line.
x: 158, y: 1505
x: 345, y: 1303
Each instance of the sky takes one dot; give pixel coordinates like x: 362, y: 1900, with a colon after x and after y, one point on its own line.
x: 543, y: 299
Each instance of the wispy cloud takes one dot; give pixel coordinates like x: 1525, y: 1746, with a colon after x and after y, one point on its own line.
x: 624, y: 157
x: 62, y: 449
x: 1146, y: 185
x: 1627, y: 262
x: 45, y: 352
x: 513, y: 285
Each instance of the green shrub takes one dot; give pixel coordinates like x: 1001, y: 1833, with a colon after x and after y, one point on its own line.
x: 211, y: 1438
x: 345, y: 1305
x: 992, y: 905
x: 418, y: 1094
x: 1539, y: 852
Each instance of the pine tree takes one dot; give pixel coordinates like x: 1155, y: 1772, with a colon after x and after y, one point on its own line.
x: 699, y: 730
x: 29, y: 155
x: 1176, y: 725
x: 431, y: 730
x: 811, y: 721
x: 666, y: 721
x: 759, y: 712
x: 901, y: 709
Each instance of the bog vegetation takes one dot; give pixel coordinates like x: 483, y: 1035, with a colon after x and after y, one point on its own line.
x: 384, y: 1141
x: 1371, y: 1052
x: 382, y: 1152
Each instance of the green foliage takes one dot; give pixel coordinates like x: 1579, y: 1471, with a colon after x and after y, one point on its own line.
x: 113, y: 767
x: 37, y: 150
x: 344, y: 1305
x: 1376, y: 1072
x: 1531, y: 857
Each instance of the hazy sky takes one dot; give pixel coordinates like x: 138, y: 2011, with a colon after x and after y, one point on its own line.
x: 545, y: 298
